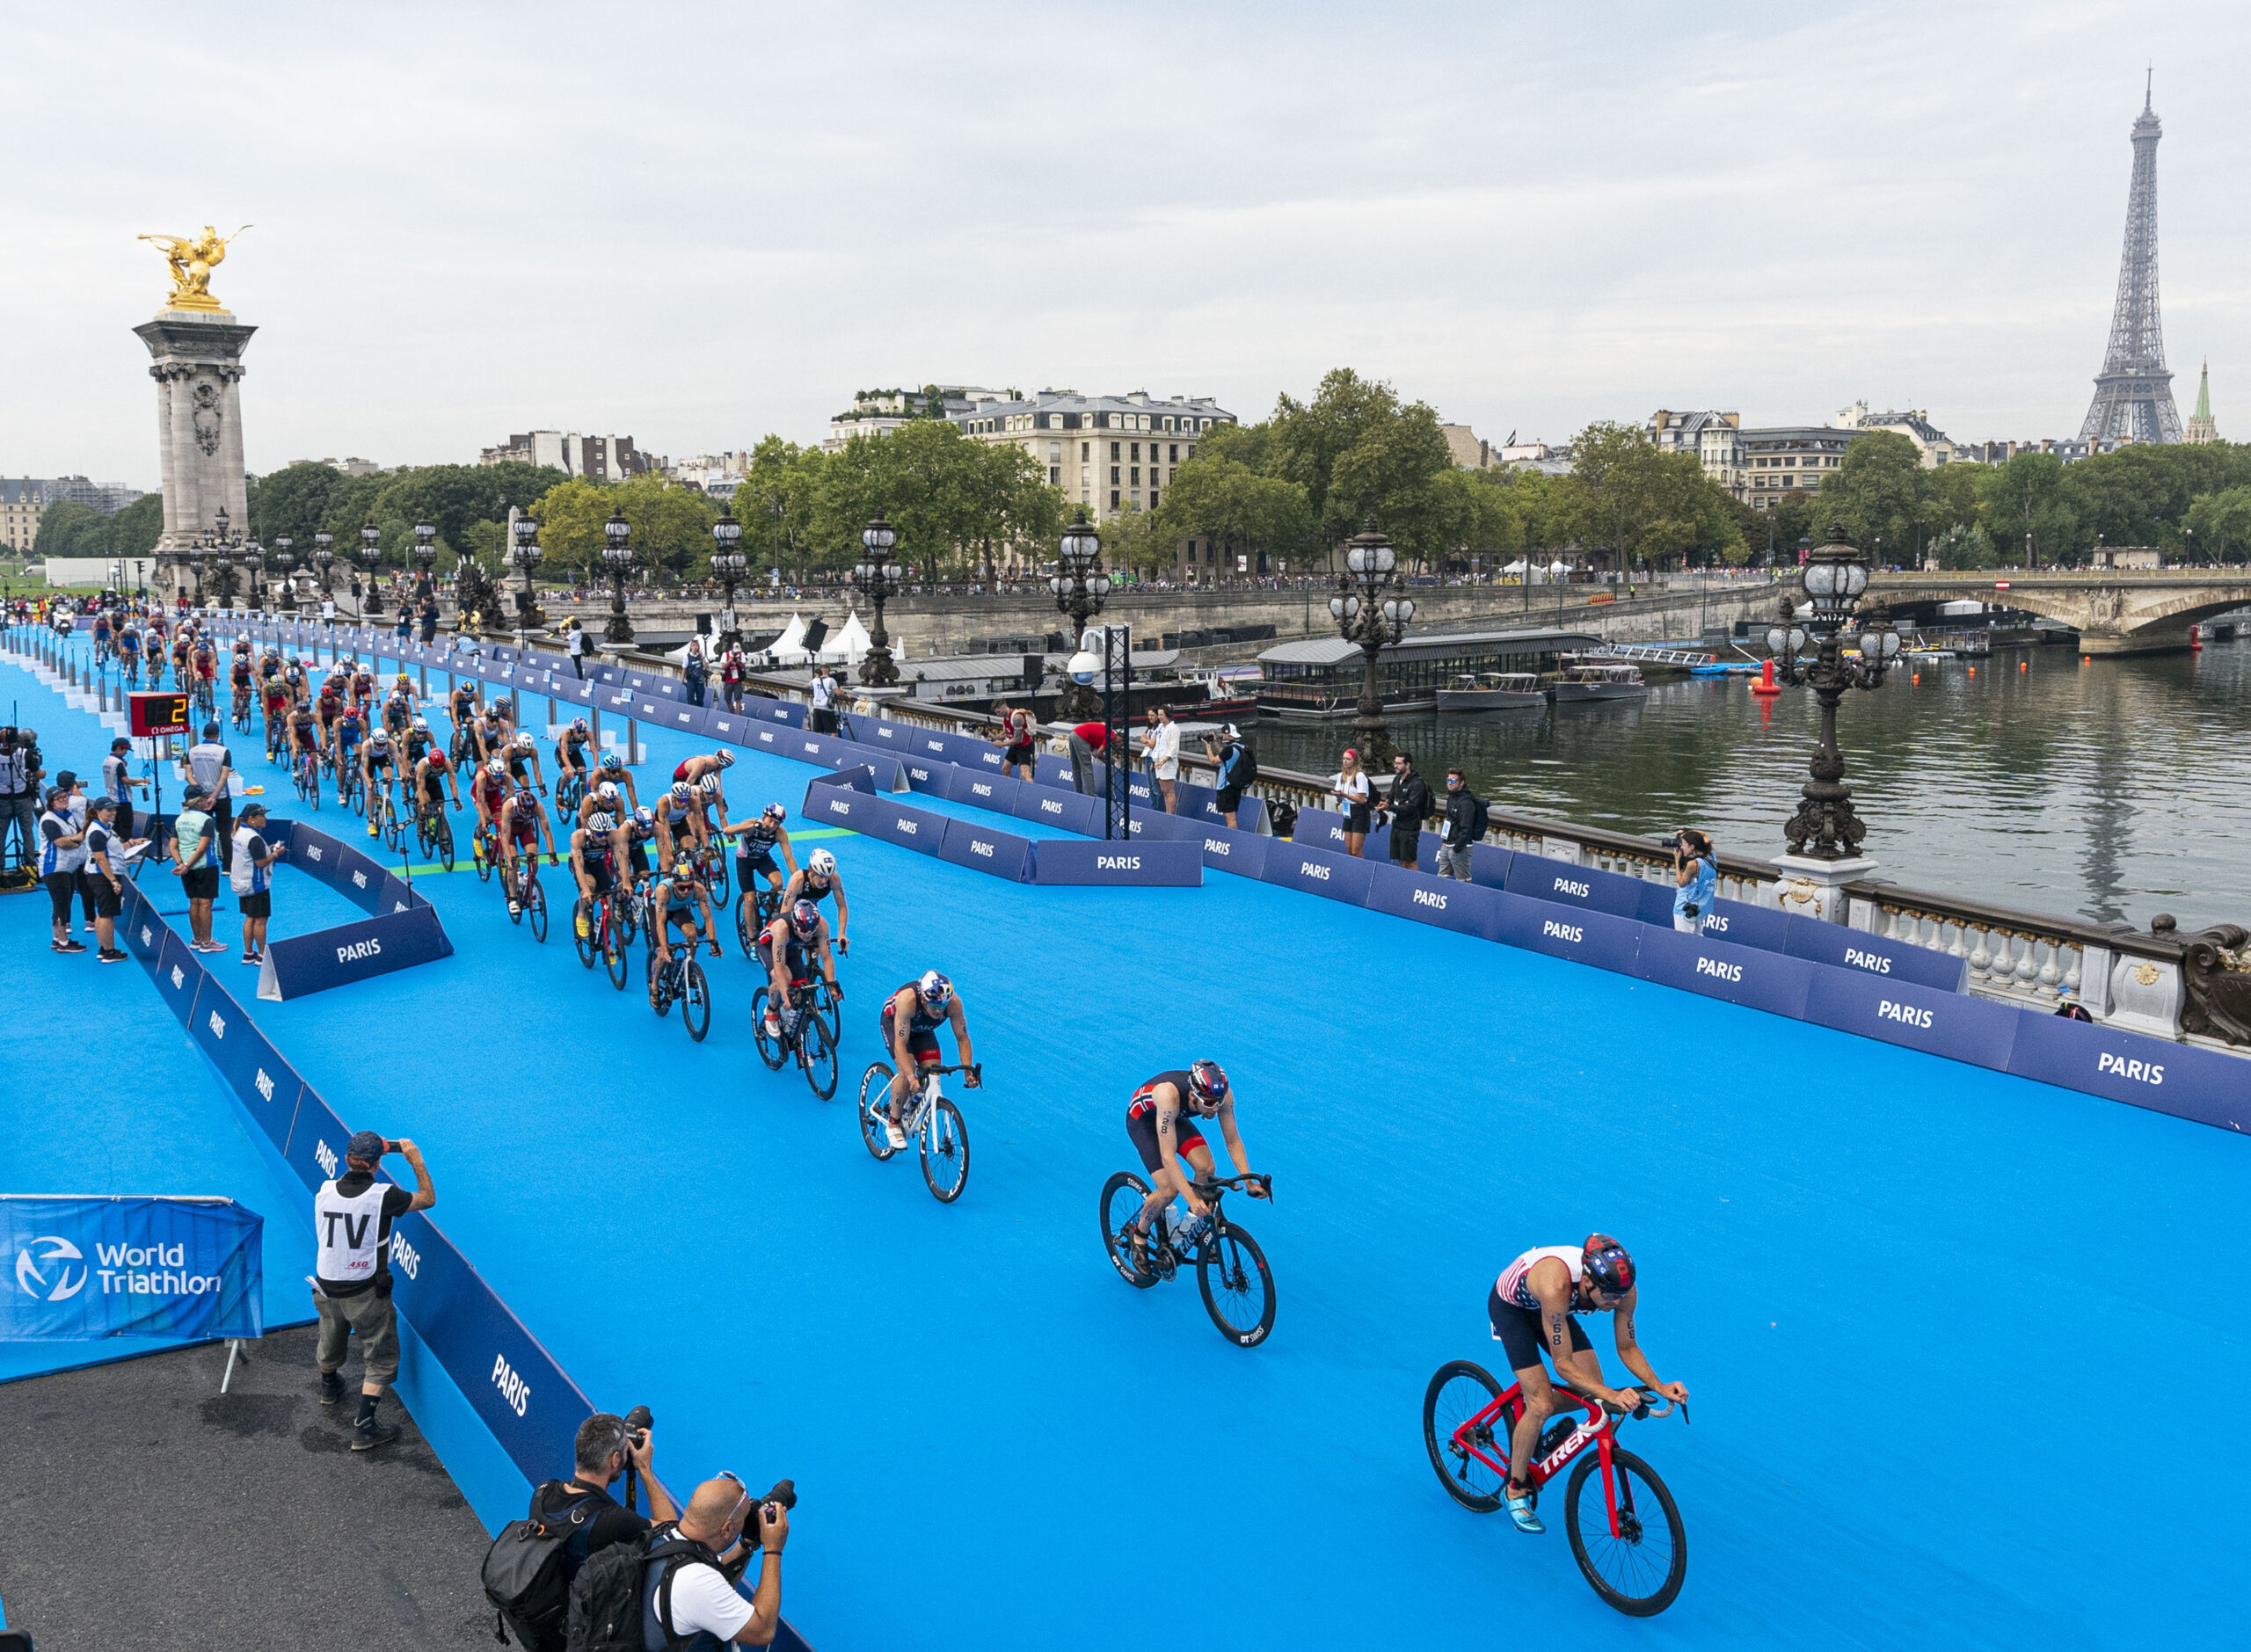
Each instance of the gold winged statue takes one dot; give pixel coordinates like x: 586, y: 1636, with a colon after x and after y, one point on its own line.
x: 193, y: 259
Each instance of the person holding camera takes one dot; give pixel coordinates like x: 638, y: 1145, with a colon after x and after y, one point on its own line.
x: 352, y: 1218
x: 1696, y: 879
x: 690, y: 1588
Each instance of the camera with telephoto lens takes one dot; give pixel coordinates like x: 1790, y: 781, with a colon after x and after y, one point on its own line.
x: 638, y: 1424
x: 1676, y: 840
x: 754, y: 1527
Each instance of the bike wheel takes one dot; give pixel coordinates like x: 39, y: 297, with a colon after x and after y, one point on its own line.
x: 720, y: 885
x: 1237, y: 1285
x: 477, y: 857
x: 1641, y: 1570
x: 445, y: 843
x: 694, y: 1001
x: 394, y: 833
x: 536, y: 910
x: 945, y: 1152
x: 665, y: 991
x: 1457, y: 1393
x: 771, y: 1049
x: 830, y: 1011
x: 516, y: 900
x: 614, y: 958
x: 818, y: 1055
x: 875, y: 1103
x: 583, y: 919
x: 1123, y: 1196
x: 743, y: 932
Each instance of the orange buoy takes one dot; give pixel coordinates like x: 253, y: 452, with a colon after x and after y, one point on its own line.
x: 2024, y: 665
x: 1767, y: 686
x: 1973, y: 670
x: 1917, y: 680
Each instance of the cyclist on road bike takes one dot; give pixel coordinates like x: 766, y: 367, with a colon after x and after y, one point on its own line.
x: 522, y: 819
x: 673, y: 903
x: 816, y: 881
x: 489, y: 792
x: 398, y: 706
x: 613, y: 771
x: 694, y: 768
x: 571, y: 760
x: 1161, y: 1123
x: 279, y: 704
x: 129, y: 649
x: 378, y: 766
x: 710, y: 795
x: 522, y: 752
x: 304, y: 736
x: 432, y: 776
x: 346, y: 751
x: 363, y: 687
x: 754, y: 854
x: 593, y: 866
x: 101, y: 635
x: 419, y: 741
x: 461, y: 706
x: 1532, y: 1307
x: 494, y: 730
x: 679, y: 823
x: 786, y: 949
x: 909, y: 1023
x: 636, y: 832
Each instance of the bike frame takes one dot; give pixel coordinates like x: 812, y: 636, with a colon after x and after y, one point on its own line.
x: 1599, y: 1429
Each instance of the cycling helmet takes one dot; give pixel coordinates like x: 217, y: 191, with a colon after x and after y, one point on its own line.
x: 934, y: 989
x: 403, y: 681
x: 525, y: 798
x: 681, y: 791
x: 421, y: 725
x: 578, y: 726
x: 611, y: 761
x: 821, y: 863
x: 498, y: 769
x: 1606, y: 1266
x: 437, y: 762
x: 1207, y: 1084
x: 645, y: 819
x: 524, y: 741
x: 805, y: 917
x: 601, y: 823
x: 776, y: 812
x: 708, y: 785
x: 725, y: 759
x: 607, y: 791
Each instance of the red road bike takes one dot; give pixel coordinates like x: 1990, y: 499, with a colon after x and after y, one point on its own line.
x: 1631, y: 1546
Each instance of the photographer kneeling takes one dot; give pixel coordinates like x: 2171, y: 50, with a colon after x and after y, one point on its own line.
x: 677, y: 1587
x: 1696, y: 876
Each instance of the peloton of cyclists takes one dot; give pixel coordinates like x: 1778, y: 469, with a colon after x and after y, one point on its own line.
x: 786, y: 948
x: 1532, y: 1308
x: 909, y: 1023
x: 1161, y: 1123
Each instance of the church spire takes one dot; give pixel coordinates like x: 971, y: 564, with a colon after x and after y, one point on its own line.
x: 2201, y: 427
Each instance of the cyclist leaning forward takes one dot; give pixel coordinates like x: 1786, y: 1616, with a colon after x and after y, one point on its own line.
x: 909, y: 1023
x: 1161, y: 1123
x: 522, y: 820
x: 786, y: 949
x: 1531, y: 1308
x: 674, y: 901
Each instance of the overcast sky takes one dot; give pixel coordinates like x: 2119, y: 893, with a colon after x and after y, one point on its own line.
x: 696, y: 225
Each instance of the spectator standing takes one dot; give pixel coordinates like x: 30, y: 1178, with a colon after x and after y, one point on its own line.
x: 1014, y: 738
x: 20, y: 795
x: 1161, y: 741
x: 195, y: 863
x: 1238, y: 768
x: 327, y: 609
x: 1086, y: 739
x: 62, y: 858
x: 1411, y: 806
x: 822, y: 692
x: 118, y: 782
x: 733, y: 669
x: 352, y: 1218
x: 574, y: 644
x: 430, y: 621
x: 1349, y: 787
x: 211, y: 767
x: 104, y: 879
x: 250, y: 876
x: 1465, y: 825
x: 695, y: 670
x: 1696, y: 879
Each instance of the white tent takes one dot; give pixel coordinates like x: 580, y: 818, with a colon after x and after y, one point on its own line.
x: 850, y: 643
x: 789, y: 649
x: 1518, y: 566
x: 1559, y: 567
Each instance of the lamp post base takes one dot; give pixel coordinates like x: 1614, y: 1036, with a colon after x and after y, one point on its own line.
x: 1815, y: 888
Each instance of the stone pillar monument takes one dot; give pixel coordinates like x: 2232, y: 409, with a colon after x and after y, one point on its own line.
x: 196, y: 348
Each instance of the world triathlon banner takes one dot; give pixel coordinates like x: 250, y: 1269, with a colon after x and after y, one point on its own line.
x: 81, y: 1269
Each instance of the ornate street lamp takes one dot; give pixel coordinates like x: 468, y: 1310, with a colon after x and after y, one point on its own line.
x: 527, y: 554
x: 425, y: 552
x: 1080, y: 586
x: 728, y: 566
x: 197, y: 555
x: 879, y: 579
x: 324, y: 564
x: 1835, y: 576
x: 1367, y: 616
x: 283, y: 544
x: 371, y: 552
x: 253, y: 562
x: 618, y: 556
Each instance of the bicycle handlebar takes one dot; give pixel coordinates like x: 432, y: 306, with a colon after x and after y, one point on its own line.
x: 1205, y: 1184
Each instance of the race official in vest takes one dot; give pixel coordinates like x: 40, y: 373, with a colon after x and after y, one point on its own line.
x: 119, y: 783
x: 352, y: 1218
x: 62, y: 858
x: 212, y: 766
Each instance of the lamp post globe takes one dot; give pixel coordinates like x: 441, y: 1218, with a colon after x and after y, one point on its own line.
x: 728, y: 566
x: 284, y: 543
x: 424, y: 552
x: 324, y: 562
x: 527, y: 556
x: 1373, y: 620
x: 1834, y: 580
x: 371, y: 553
x: 1080, y: 588
x: 617, y: 560
x: 879, y: 576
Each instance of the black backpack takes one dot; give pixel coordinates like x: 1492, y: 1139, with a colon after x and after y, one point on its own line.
x: 605, y: 1613
x: 1480, y: 820
x: 527, y: 1570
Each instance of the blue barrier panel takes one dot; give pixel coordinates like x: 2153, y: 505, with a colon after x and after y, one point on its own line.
x: 1319, y: 872
x: 529, y: 1403
x: 1243, y: 853
x: 1771, y: 981
x: 767, y: 736
x: 724, y: 724
x: 914, y: 828
x: 317, y: 1139
x: 1075, y: 861
x: 1249, y: 811
x: 929, y: 745
x: 1952, y: 1024
x: 1003, y: 854
x: 1064, y: 810
x: 857, y: 776
x: 144, y: 931
x: 1821, y: 942
x: 1746, y: 925
x: 800, y: 747
x: 932, y: 774
x: 827, y: 804
x: 758, y: 709
x: 883, y: 732
x: 1053, y: 770
x: 681, y: 719
x: 1446, y: 902
x: 981, y: 790
x: 1584, y: 936
x: 1156, y: 824
x: 2179, y: 1079
x: 889, y: 774
x: 1488, y: 865
x: 1539, y: 878
x: 267, y: 1085
x: 1322, y: 829
x: 179, y: 974
x: 352, y: 952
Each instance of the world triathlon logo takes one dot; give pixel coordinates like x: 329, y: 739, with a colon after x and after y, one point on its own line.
x: 53, y: 1255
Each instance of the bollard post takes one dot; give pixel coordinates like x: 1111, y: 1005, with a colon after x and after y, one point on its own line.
x: 422, y: 672
x: 633, y: 744
x: 550, y: 713
x: 597, y: 731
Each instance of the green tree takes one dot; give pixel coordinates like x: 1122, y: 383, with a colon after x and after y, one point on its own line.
x: 1965, y: 546
x: 1220, y: 498
x: 71, y: 530
x: 1637, y: 502
x: 295, y: 500
x: 1358, y: 451
x: 2219, y: 524
x: 2029, y: 495
x: 1875, y: 496
x: 135, y: 530
x: 671, y: 527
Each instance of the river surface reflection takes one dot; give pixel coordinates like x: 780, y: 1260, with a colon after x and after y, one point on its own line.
x: 2114, y: 789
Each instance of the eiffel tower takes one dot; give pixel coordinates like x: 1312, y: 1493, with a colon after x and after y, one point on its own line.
x: 2134, y: 394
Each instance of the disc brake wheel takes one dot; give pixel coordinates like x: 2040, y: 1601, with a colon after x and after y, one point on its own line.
x: 1238, y: 1288
x: 875, y: 1103
x: 1123, y: 1196
x: 771, y: 1050
x: 1459, y: 1391
x: 694, y: 1001
x: 945, y: 1152
x: 1639, y: 1569
x: 818, y: 1054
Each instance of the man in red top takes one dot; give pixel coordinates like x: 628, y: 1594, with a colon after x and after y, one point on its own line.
x: 1014, y: 739
x: 1086, y: 740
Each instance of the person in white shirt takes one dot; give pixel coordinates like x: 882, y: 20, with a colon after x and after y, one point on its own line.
x: 692, y: 1596
x: 574, y: 643
x: 1350, y: 788
x: 1160, y: 744
x: 823, y: 693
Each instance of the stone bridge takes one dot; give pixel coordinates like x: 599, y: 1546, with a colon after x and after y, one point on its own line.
x: 2116, y: 611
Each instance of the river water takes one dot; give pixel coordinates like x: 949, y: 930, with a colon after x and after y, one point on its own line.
x: 2108, y: 790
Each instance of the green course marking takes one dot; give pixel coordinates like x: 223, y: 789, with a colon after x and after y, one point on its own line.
x: 822, y: 832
